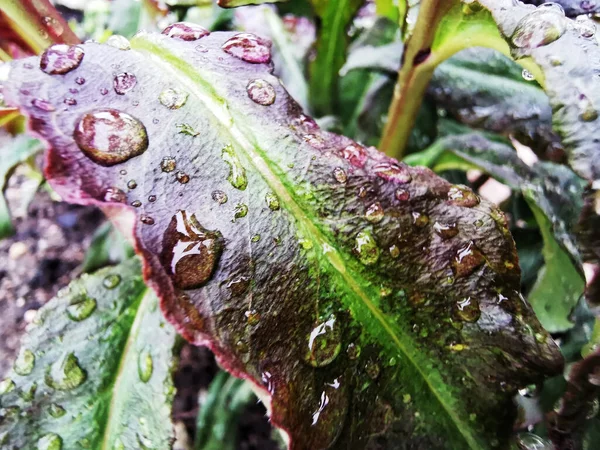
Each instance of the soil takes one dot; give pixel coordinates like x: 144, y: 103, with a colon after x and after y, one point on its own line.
x: 44, y: 254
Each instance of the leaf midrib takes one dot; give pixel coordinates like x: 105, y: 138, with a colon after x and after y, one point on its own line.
x: 188, y: 76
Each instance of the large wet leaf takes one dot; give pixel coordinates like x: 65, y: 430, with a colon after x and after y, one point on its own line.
x: 94, y: 369
x: 372, y: 302
x: 572, y: 8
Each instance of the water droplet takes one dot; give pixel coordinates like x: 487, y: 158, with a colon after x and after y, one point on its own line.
x: 237, y: 173
x: 353, y: 351
x: 530, y: 441
x: 445, y: 230
x: 402, y: 195
x: 355, y: 155
x: 24, y: 363
x: 6, y: 385
x: 103, y: 91
x: 145, y: 365
x: 80, y: 81
x: 394, y: 251
x: 146, y: 219
x: 527, y: 75
x: 366, y: 248
x: 255, y: 238
x: 420, y: 220
x: 132, y: 184
x: 463, y: 196
x: 252, y: 317
x: 248, y: 47
x: 190, y: 252
x: 118, y: 41
x: 220, y: 197
x: 240, y: 210
x: 272, y: 201
x: 261, y: 92
x: 111, y: 281
x: 65, y: 374
x: 70, y: 101
x: 61, y: 58
x: 393, y: 172
x: 538, y: 28
x: 43, y: 105
x: 374, y: 213
x: 467, y: 309
x: 27, y: 395
x: 124, y: 82
x: 340, y: 175
x: 587, y: 111
x: 53, y: 25
x: 108, y: 136
x: 185, y: 31
x: 136, y: 203
x: 9, y: 412
x: 50, y: 441
x: 152, y: 198
x: 168, y: 164
x: 585, y: 26
x: 81, y: 307
x: 173, y: 98
x: 324, y: 343
x: 183, y: 178
x: 467, y: 260
x: 373, y: 370
x: 329, y: 414
x: 593, y: 411
x: 56, y: 411
x: 314, y: 141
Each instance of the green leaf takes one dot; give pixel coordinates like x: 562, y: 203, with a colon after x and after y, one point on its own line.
x: 13, y: 151
x: 572, y: 8
x: 357, y: 292
x: 108, y: 247
x: 94, y: 369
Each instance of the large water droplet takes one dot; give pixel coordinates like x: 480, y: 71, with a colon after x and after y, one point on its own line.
x: 173, y: 98
x: 111, y: 281
x: 393, y: 172
x: 530, y: 441
x: 24, y: 363
x: 61, y: 58
x: 240, y: 210
x: 190, y: 253
x: 272, y: 201
x: 538, y: 28
x: 237, y: 173
x: 81, y: 307
x: 108, y: 136
x: 463, y: 196
x: 7, y: 385
x: 65, y: 374
x: 467, y: 309
x: 168, y: 164
x: 324, y: 343
x: 118, y: 41
x: 467, y: 260
x: 145, y: 365
x: 50, y: 441
x: 366, y: 248
x: 445, y: 230
x: 248, y: 47
x: 124, y: 82
x: 355, y: 155
x: 329, y: 414
x: 585, y: 26
x: 261, y: 92
x: 185, y: 31
x: 374, y: 213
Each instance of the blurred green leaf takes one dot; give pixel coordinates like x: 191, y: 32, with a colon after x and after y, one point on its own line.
x: 108, y: 247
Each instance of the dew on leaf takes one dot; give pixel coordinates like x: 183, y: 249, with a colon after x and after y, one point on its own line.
x: 80, y: 81
x: 65, y: 374
x: 136, y: 203
x: 538, y: 28
x: 255, y: 238
x: 353, y: 351
x: 43, y: 105
x: 81, y: 307
x: 527, y: 75
x: 585, y: 26
x: 152, y: 198
x: 146, y: 219
x: 340, y: 175
x: 420, y: 220
x: 70, y: 101
x: 183, y: 178
x: 393, y: 172
x: 252, y: 317
x: 272, y: 201
x: 24, y: 363
x: 530, y: 441
x: 394, y: 251
x: 402, y: 195
x: 59, y: 59
x: 366, y: 248
x: 374, y: 213
x: 190, y: 252
x: 240, y: 210
x: 467, y: 260
x: 324, y: 343
x: 237, y: 173
x: 185, y: 31
x: 168, y: 164
x: 219, y: 196
x: 145, y: 365
x: 314, y: 141
x: 355, y: 155
x: 111, y: 281
x: 6, y: 386
x: 132, y: 184
x: 108, y: 136
x: 56, y: 411
x: 173, y: 98
x: 467, y: 309
x: 373, y: 370
x: 124, y: 82
x: 248, y: 47
x: 445, y: 230
x: 463, y: 196
x: 49, y: 441
x: 103, y: 91
x: 118, y: 41
x: 27, y: 395
x: 261, y: 92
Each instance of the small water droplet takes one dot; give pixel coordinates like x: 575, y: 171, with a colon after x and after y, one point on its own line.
x: 108, y: 136
x: 394, y: 251
x: 27, y: 395
x: 272, y: 201
x: 314, y: 141
x: 255, y: 238
x: 374, y: 213
x: 70, y: 101
x: 248, y: 47
x: 56, y: 411
x: 402, y: 195
x: 467, y: 260
x: 7, y: 385
x: 103, y: 91
x: 373, y: 370
x: 185, y: 31
x: 530, y: 441
x: 220, y: 197
x: 538, y: 28
x: 445, y: 230
x: 65, y: 374
x: 59, y: 59
x: 420, y: 220
x: 353, y: 351
x: 136, y: 203
x: 118, y: 41
x: 168, y: 164
x: 145, y: 365
x: 355, y: 155
x: 261, y: 92
x: 24, y: 363
x: 463, y: 196
x: 152, y: 198
x: 173, y: 98
x: 183, y: 178
x: 587, y: 111
x: 80, y: 81
x: 393, y: 172
x: 81, y: 307
x: 132, y: 184
x: 146, y: 219
x: 467, y: 309
x: 49, y: 441
x: 190, y: 252
x: 240, y: 210
x: 324, y: 343
x: 527, y: 75
x: 111, y: 281
x: 124, y: 82
x: 252, y: 317
x: 237, y: 173
x: 340, y: 175
x: 43, y: 105
x: 366, y: 248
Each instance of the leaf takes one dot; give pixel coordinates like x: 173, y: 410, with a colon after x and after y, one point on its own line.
x: 320, y: 278
x: 94, y: 370
x: 236, y: 3
x: 553, y: 193
x: 572, y: 8
x: 14, y: 151
x: 108, y: 247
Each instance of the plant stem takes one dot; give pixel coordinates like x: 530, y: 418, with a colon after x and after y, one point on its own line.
x: 413, y: 77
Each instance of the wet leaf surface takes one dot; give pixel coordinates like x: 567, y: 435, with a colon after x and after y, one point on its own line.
x: 316, y: 268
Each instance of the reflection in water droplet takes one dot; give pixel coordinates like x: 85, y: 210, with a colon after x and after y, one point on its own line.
x: 56, y: 411
x: 530, y: 441
x: 219, y: 196
x: 190, y: 252
x: 315, y: 141
x: 353, y: 351
x: 168, y: 164
x: 24, y: 363
x: 61, y: 58
x: 374, y: 213
x: 272, y: 201
x: 393, y: 172
x: 146, y: 219
x: 111, y: 281
x: 183, y: 178
x: 329, y: 415
x: 108, y: 136
x: 185, y: 31
x: 324, y: 343
x: 81, y: 307
x: 463, y: 196
x: 366, y: 248
x: 585, y: 26
x: 467, y: 260
x: 65, y: 374
x: 237, y: 173
x: 49, y: 441
x: 240, y: 210
x: 124, y: 82
x: 340, y: 175
x: 527, y: 75
x: 173, y: 98
x: 248, y: 47
x: 152, y: 198
x: 538, y: 28
x: 467, y: 309
x: 145, y: 365
x: 445, y: 230
x: 118, y: 41
x: 355, y: 155
x: 6, y: 385
x: 261, y: 92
